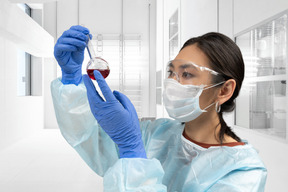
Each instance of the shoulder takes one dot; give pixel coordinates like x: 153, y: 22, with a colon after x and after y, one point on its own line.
x: 161, y: 124
x: 246, y: 171
x: 232, y: 168
x: 246, y: 157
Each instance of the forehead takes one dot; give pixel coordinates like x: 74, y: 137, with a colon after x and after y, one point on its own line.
x: 194, y: 54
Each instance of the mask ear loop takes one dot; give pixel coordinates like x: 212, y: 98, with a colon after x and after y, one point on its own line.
x: 214, y: 85
x: 217, y: 107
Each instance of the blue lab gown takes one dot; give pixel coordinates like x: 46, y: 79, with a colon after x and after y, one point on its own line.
x: 174, y: 163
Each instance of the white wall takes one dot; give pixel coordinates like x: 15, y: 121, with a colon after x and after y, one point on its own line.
x: 250, y: 12
x: 197, y: 17
x: 225, y: 20
x: 50, y: 67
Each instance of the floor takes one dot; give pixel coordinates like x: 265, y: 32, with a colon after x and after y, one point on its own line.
x: 44, y: 162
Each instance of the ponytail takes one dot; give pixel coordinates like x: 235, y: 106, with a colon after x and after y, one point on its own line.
x: 225, y: 129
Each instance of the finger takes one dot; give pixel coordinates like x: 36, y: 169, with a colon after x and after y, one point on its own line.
x: 89, y: 38
x: 92, y: 93
x: 72, y: 41
x: 103, y: 86
x: 80, y: 29
x: 60, y: 48
x: 74, y: 34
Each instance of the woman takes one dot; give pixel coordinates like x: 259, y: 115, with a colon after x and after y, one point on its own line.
x: 195, y: 152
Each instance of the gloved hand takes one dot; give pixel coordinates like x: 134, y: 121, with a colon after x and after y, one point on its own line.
x: 69, y: 53
x: 117, y: 116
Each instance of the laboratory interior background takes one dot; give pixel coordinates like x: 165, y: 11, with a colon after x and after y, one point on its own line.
x: 137, y: 38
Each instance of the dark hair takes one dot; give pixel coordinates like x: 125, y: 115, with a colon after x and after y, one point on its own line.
x: 225, y: 58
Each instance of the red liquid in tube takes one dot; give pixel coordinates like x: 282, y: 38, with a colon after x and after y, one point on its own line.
x: 104, y: 73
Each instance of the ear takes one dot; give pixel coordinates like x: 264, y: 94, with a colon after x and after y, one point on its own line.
x: 226, y: 91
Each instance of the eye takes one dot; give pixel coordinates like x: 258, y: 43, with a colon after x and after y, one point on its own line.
x: 187, y: 75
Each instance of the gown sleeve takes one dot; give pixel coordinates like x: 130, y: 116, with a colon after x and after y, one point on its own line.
x: 79, y: 127
x: 242, y: 180
x: 135, y: 174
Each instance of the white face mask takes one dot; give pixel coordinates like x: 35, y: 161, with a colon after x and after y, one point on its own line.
x: 182, y: 101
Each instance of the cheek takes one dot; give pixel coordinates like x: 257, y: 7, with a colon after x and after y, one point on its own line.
x: 203, y: 100
x: 206, y: 98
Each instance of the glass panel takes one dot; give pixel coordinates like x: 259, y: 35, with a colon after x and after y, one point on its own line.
x: 280, y: 45
x: 173, y: 25
x: 264, y: 51
x: 173, y: 47
x: 268, y: 107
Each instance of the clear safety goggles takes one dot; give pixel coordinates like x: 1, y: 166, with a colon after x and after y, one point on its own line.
x: 188, y: 73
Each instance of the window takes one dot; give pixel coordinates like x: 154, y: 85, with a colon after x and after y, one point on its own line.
x: 173, y: 35
x: 262, y: 102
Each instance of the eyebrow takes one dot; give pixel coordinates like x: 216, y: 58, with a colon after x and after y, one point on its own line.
x: 171, y: 65
x: 181, y: 66
x: 186, y: 66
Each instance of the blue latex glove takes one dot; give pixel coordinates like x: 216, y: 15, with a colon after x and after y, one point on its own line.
x: 69, y: 53
x: 117, y: 117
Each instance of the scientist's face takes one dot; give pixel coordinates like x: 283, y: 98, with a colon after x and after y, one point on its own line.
x: 193, y: 54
